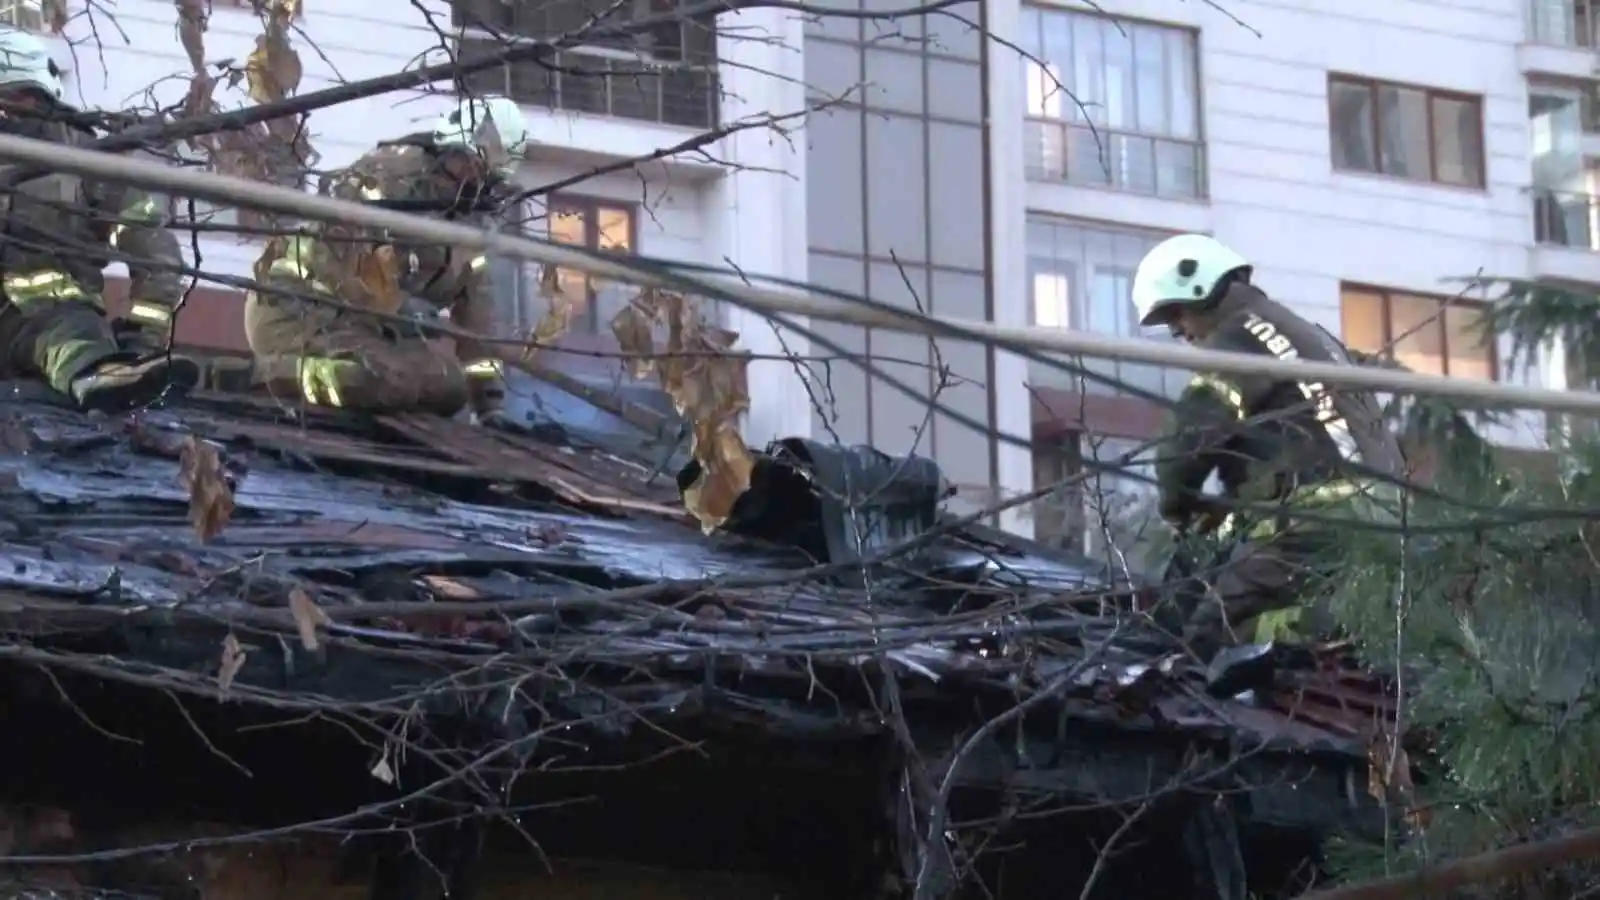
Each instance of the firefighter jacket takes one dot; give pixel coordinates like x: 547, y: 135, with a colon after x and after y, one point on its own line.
x: 1268, y: 439
x: 338, y: 259
x: 61, y: 231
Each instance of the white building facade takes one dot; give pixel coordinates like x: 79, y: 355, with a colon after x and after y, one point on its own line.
x: 1371, y: 157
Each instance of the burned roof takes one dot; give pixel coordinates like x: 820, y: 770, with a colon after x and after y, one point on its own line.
x: 378, y: 560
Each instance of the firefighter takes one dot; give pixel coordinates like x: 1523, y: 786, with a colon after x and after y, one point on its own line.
x: 336, y: 355
x: 1275, y: 444
x: 60, y: 232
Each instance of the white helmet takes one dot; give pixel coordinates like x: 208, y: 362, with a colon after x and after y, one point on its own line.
x: 1181, y: 271
x: 26, y: 63
x: 494, y: 126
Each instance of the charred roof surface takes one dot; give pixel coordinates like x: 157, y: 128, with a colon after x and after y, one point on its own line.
x: 422, y: 549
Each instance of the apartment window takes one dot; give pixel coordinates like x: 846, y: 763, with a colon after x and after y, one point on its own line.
x: 1081, y: 276
x: 1564, y: 126
x: 1112, y: 103
x: 1568, y: 23
x: 1429, y: 334
x: 664, y: 73
x: 1414, y: 133
x: 605, y: 225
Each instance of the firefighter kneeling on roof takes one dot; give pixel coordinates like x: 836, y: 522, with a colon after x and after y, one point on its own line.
x: 60, y: 232
x: 1278, y: 446
x: 334, y: 354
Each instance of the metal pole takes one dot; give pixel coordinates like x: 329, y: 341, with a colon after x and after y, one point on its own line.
x: 240, y: 192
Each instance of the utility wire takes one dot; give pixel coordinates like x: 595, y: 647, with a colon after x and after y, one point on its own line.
x: 241, y: 192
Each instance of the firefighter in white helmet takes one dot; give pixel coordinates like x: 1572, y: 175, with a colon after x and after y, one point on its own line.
x: 333, y: 357
x: 1276, y: 444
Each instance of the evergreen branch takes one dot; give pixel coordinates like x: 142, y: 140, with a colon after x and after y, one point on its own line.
x: 1495, y: 865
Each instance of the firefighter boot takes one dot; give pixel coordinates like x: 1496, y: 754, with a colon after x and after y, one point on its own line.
x: 121, y: 385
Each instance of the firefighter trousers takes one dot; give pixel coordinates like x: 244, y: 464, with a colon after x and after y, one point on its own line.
x: 55, y: 340
x: 1259, y: 589
x: 327, y: 356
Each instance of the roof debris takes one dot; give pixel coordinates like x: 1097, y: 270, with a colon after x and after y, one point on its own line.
x: 352, y: 540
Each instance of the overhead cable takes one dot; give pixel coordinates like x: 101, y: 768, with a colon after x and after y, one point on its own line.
x: 288, y: 201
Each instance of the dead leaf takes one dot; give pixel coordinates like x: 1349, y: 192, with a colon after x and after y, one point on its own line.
x: 378, y: 273
x: 308, y: 617
x: 633, y: 329
x: 210, y: 495
x: 707, y: 377
x: 725, y: 469
x: 564, y: 301
x: 233, y: 657
x: 192, y: 24
x: 273, y: 70
x: 1389, y: 778
x: 382, y: 771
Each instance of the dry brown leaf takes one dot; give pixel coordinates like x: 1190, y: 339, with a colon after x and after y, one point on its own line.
x: 210, y: 495
x: 1389, y: 778
x: 378, y: 272
x: 233, y: 657
x: 725, y: 469
x: 633, y: 328
x: 308, y: 617
x: 558, y: 319
x: 707, y: 377
x: 273, y: 70
x: 191, y: 31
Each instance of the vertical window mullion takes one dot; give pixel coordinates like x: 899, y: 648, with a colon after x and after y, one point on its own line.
x: 1433, y: 148
x: 1377, y: 130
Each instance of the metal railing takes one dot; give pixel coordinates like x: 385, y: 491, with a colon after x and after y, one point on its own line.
x: 603, y: 84
x: 1135, y: 162
x: 1568, y: 23
x: 1566, y: 219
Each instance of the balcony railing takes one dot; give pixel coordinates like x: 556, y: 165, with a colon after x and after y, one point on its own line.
x: 1129, y: 161
x: 1569, y: 23
x: 1566, y: 219
x: 606, y: 85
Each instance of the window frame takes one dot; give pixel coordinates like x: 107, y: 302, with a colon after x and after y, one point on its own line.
x: 1386, y: 297
x: 590, y: 207
x: 1105, y: 134
x: 1430, y: 95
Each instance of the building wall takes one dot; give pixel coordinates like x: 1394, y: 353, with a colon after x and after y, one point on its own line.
x: 694, y: 208
x: 1273, y: 193
x: 899, y: 175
